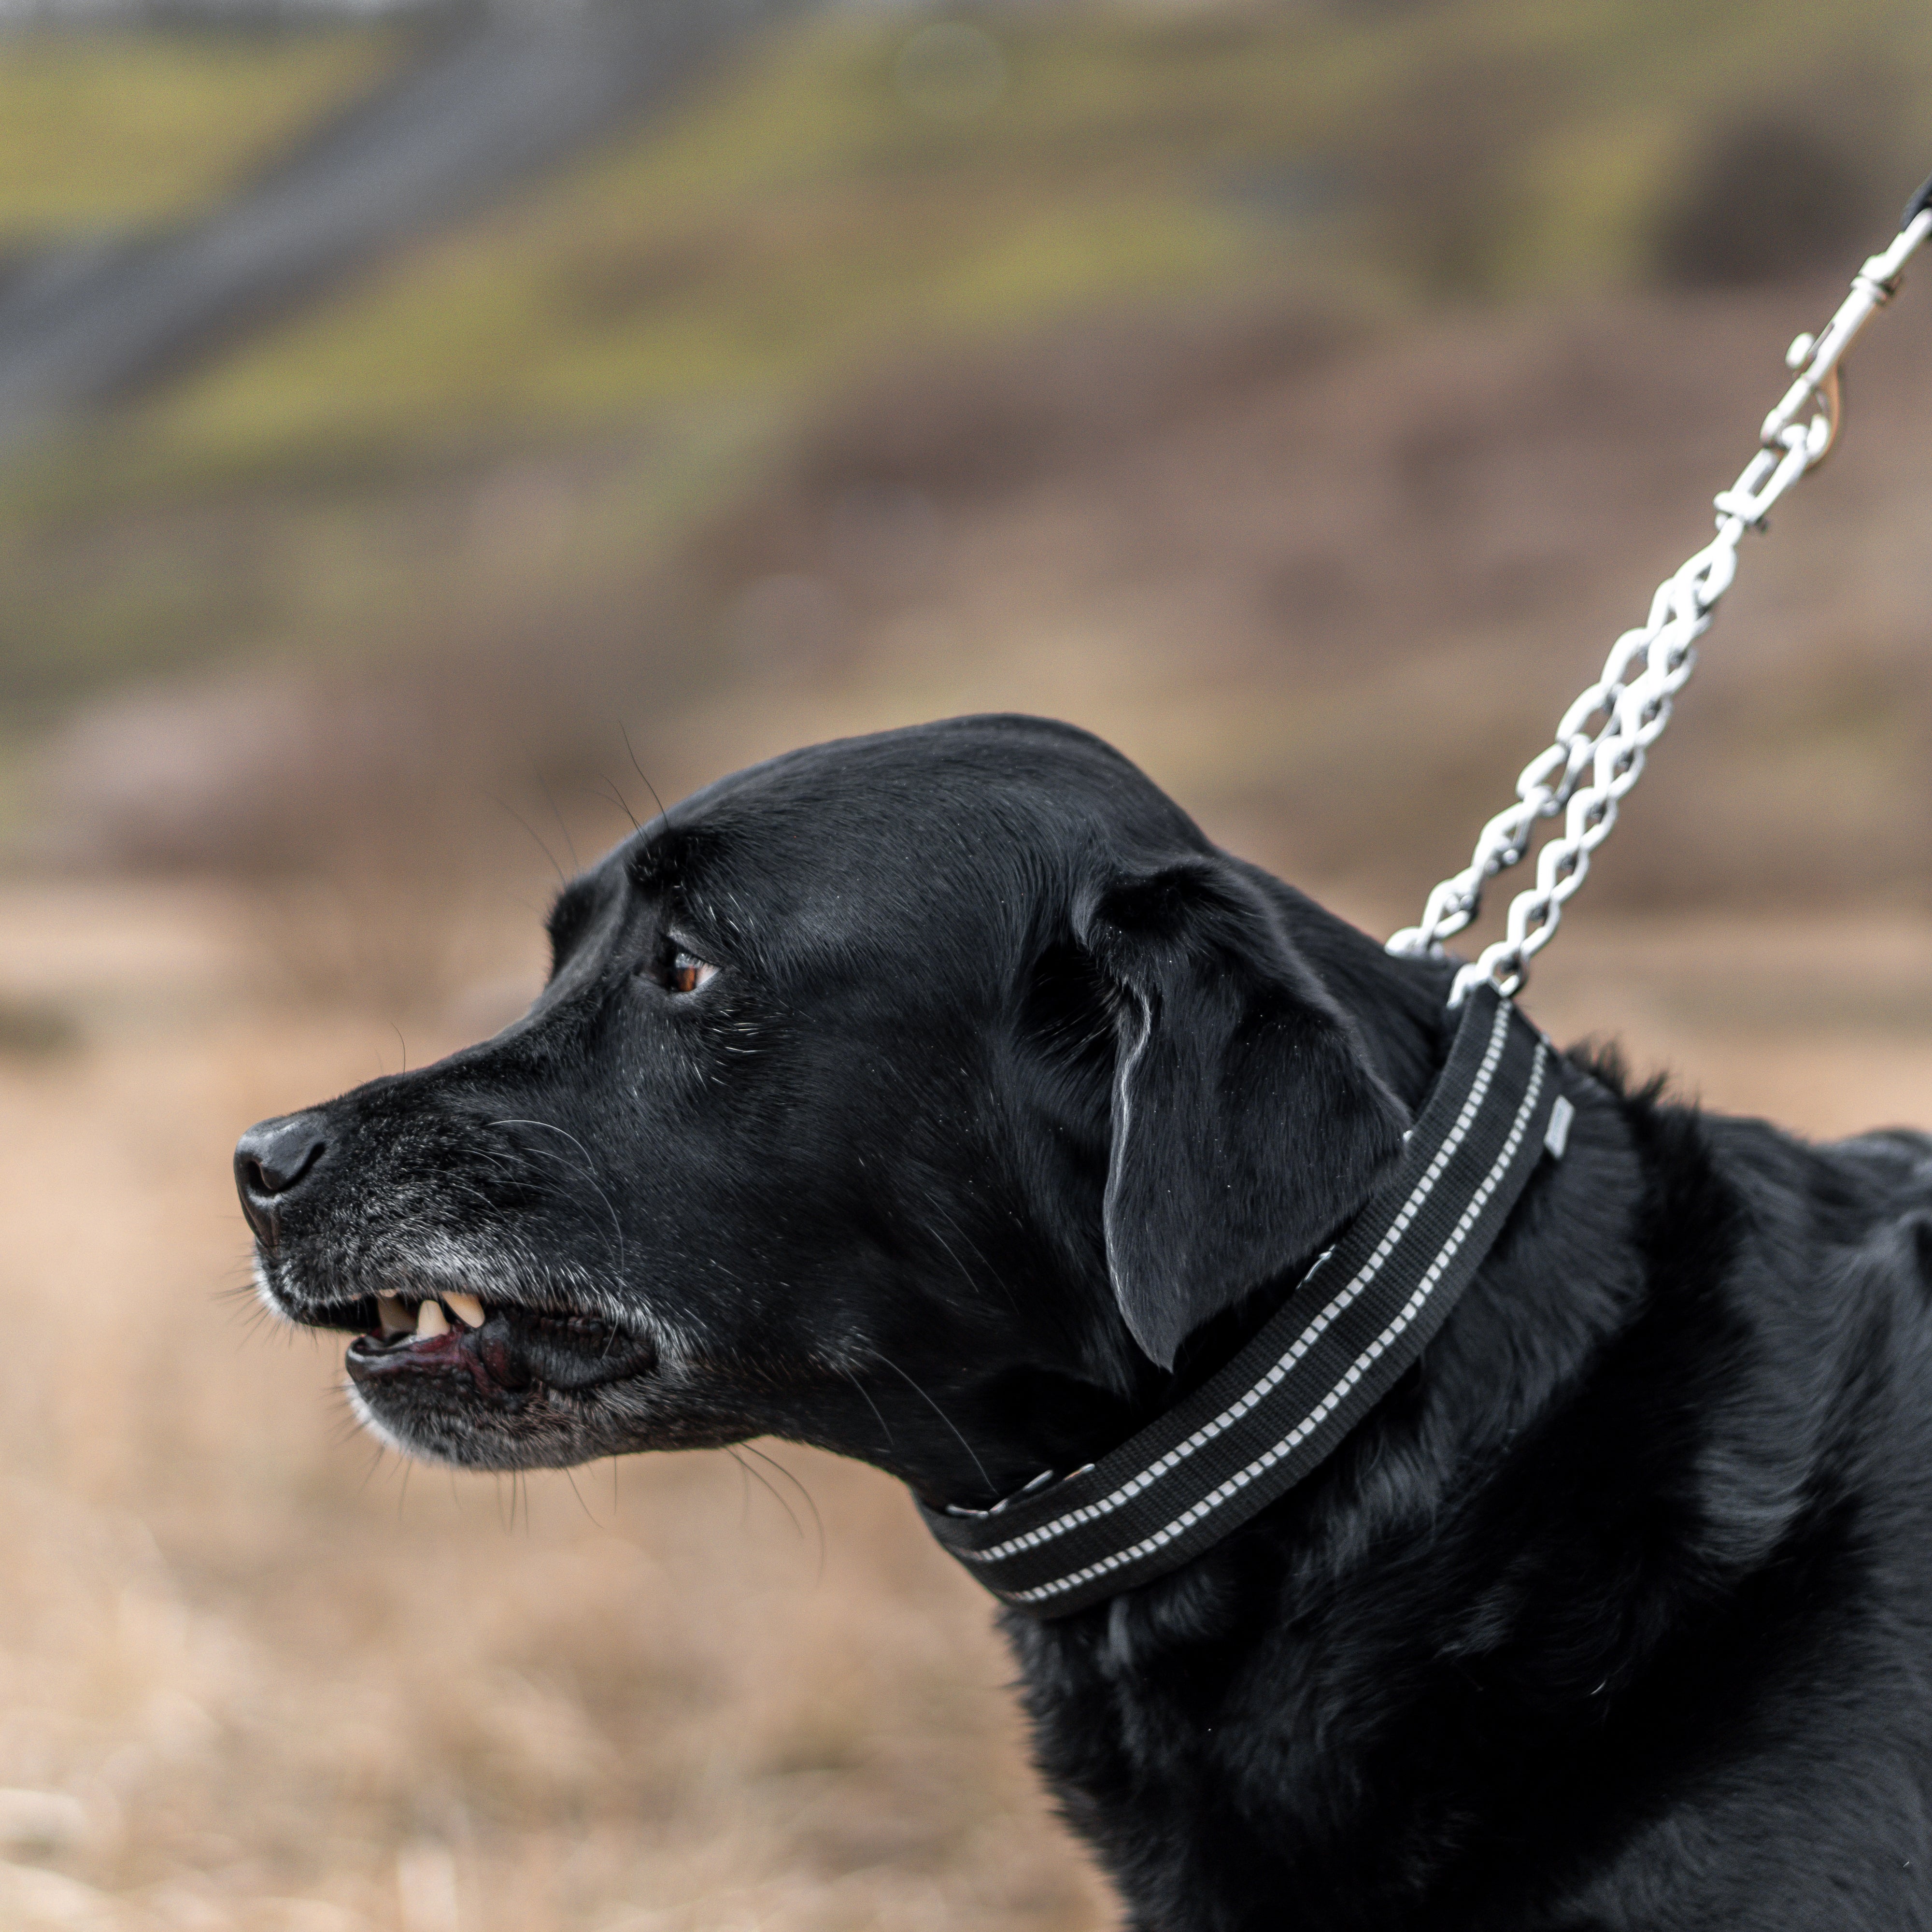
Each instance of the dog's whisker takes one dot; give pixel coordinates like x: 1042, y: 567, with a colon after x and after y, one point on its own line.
x: 570, y: 1478
x: 938, y: 1209
x: 588, y: 1172
x: 811, y: 1502
x: 880, y: 1355
x: 731, y: 1449
x: 885, y: 1427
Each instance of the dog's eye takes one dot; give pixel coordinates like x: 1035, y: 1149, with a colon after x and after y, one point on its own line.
x: 688, y: 972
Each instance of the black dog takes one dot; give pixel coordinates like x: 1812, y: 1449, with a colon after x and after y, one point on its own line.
x: 1617, y: 1610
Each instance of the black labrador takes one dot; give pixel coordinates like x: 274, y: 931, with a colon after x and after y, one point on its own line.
x: 1615, y: 1612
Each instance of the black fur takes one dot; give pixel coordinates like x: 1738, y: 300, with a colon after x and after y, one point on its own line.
x: 1014, y: 1108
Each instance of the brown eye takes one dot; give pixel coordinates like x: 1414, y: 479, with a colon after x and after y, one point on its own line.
x: 688, y: 972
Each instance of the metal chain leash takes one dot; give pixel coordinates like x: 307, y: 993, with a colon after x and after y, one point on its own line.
x: 1602, y: 740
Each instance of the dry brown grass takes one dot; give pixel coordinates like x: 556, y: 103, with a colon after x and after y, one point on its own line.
x: 251, y: 1679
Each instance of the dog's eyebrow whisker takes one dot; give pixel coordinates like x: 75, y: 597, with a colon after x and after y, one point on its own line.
x: 505, y: 805
x: 623, y: 803
x: 630, y: 752
x: 543, y: 786
x: 879, y: 1354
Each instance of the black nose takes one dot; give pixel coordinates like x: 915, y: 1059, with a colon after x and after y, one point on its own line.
x: 272, y: 1160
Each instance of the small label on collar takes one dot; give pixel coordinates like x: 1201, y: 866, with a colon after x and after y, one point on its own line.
x: 1556, y: 1137
x: 1040, y: 1482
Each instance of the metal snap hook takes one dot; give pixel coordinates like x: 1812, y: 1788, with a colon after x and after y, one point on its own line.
x: 1821, y: 431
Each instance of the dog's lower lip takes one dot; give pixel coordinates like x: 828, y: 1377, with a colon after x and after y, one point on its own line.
x: 387, y: 1358
x: 504, y: 1354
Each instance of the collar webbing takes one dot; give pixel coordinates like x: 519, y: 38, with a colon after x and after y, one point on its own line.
x: 1269, y: 1417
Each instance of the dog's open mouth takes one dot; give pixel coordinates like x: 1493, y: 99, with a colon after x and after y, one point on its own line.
x: 501, y: 1350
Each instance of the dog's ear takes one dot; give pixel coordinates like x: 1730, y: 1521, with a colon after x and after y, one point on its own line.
x: 1247, y: 1125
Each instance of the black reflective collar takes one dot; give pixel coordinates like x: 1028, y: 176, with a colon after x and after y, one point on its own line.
x: 1359, y: 1317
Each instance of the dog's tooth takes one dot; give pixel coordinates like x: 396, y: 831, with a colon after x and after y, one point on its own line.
x: 393, y: 1315
x: 466, y: 1308
x: 430, y: 1321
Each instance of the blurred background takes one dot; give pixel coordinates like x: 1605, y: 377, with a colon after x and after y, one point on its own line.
x: 429, y: 434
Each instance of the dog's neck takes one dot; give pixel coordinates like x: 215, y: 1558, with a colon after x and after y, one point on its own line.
x: 1019, y: 1419
x: 1399, y: 1007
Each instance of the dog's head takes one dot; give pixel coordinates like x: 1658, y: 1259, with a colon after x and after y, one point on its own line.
x: 918, y: 1095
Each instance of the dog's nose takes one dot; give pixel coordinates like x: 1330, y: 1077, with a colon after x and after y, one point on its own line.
x: 272, y: 1160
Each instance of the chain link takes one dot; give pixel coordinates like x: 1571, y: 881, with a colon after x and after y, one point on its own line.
x: 1601, y: 741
